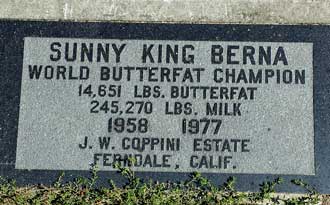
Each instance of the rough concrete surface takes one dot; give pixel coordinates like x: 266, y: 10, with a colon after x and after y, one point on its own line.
x: 199, y: 11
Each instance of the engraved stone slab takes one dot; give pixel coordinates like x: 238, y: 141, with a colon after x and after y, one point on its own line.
x: 181, y: 106
x: 249, y: 101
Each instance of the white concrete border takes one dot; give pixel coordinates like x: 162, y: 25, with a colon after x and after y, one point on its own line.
x: 195, y: 11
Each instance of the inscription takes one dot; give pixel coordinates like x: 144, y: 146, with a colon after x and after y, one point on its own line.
x: 182, y: 106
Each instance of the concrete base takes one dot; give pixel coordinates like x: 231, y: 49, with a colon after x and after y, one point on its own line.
x: 197, y: 11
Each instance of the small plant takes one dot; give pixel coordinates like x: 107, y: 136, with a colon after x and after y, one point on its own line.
x: 128, y: 173
x: 196, y: 190
x: 58, y: 182
x: 266, y: 191
x: 312, y: 196
x: 7, y: 190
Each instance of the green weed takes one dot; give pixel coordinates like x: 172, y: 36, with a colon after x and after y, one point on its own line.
x: 196, y: 190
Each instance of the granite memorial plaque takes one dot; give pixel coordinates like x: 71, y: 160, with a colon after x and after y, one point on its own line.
x: 249, y: 101
x: 183, y: 106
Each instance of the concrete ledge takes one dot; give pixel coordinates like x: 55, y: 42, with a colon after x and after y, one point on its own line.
x: 196, y: 11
